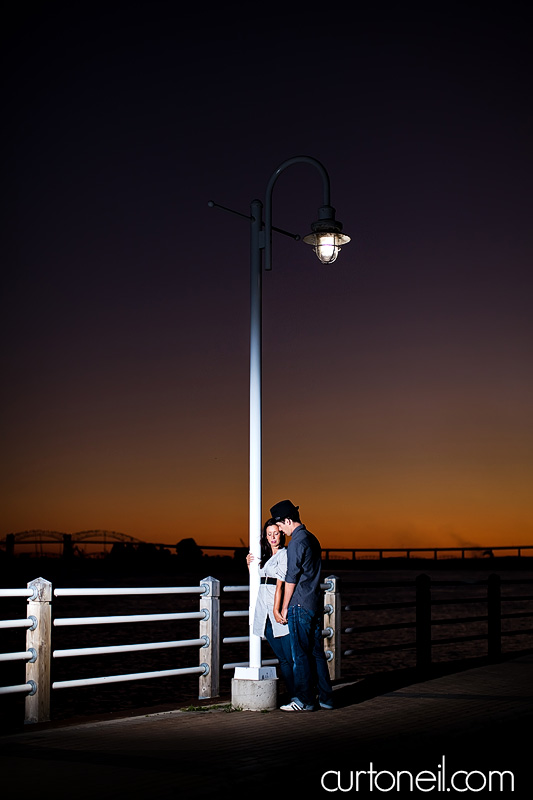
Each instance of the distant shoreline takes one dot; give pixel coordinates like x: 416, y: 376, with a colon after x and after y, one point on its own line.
x: 19, y: 570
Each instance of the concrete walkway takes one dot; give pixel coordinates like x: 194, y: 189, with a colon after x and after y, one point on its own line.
x: 479, y: 719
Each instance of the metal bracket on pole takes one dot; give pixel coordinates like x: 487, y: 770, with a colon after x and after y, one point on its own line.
x: 295, y: 236
x: 212, y: 204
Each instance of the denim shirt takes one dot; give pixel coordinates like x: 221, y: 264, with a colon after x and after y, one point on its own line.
x: 304, y: 566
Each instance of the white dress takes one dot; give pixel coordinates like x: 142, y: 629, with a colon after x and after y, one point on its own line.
x: 275, y: 567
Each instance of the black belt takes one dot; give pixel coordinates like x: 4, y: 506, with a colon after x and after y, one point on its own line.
x: 272, y: 581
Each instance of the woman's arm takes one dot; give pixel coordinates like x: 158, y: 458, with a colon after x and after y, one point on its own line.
x: 277, y: 601
x: 289, y: 591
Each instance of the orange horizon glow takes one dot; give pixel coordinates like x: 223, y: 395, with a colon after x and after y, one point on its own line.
x: 417, y: 535
x: 347, y: 501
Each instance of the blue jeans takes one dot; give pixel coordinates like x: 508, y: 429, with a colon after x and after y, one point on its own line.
x: 311, y: 673
x: 282, y: 650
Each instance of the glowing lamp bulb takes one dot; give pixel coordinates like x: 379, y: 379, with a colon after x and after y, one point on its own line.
x: 326, y: 248
x: 326, y: 244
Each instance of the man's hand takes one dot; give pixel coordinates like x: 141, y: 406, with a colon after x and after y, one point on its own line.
x: 283, y: 615
x: 279, y: 618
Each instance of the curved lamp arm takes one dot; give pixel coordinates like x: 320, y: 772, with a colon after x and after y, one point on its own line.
x: 326, y: 213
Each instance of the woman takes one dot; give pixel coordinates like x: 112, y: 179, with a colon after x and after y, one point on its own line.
x: 267, y: 619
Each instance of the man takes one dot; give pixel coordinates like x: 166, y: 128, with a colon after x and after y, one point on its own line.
x: 303, y: 611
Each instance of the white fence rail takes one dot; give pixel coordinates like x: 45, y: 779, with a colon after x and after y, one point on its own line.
x: 491, y: 623
x: 122, y: 618
x: 39, y: 639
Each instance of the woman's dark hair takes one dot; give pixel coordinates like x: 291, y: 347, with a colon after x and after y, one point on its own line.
x: 266, y: 550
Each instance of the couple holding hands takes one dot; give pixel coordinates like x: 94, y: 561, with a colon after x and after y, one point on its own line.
x: 289, y: 607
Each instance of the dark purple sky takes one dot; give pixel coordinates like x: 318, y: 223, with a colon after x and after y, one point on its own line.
x: 397, y: 382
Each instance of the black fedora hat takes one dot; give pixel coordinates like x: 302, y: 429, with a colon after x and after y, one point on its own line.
x: 284, y: 510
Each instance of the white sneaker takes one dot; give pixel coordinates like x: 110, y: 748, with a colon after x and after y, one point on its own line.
x: 293, y: 706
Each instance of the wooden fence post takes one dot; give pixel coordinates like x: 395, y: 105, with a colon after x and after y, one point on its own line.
x: 494, y: 619
x: 210, y: 630
x: 37, y: 704
x: 332, y: 623
x: 423, y: 623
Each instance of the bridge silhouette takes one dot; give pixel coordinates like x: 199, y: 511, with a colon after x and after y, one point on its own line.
x: 72, y: 544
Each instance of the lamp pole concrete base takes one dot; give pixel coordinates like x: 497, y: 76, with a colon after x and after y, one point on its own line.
x: 254, y: 688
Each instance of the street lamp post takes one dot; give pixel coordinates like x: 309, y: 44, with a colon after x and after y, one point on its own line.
x: 326, y: 237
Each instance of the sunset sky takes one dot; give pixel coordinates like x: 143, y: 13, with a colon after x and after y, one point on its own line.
x: 398, y: 382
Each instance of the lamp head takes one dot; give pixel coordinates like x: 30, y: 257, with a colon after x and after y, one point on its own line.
x: 326, y: 236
